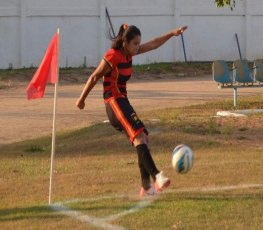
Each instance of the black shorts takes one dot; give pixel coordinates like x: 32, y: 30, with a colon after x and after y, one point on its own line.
x: 123, y: 117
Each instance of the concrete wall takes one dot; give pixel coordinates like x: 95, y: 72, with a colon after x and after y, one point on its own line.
x: 27, y: 26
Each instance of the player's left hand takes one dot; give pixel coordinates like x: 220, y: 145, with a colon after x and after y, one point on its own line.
x: 179, y: 30
x: 80, y: 104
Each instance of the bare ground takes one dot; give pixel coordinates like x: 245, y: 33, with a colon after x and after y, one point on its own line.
x: 21, y: 119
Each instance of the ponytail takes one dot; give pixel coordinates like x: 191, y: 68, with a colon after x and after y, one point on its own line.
x: 125, y: 32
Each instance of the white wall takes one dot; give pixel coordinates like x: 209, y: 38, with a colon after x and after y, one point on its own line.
x: 27, y: 26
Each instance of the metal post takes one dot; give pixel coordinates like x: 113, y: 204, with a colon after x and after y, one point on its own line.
x: 238, y: 46
x: 235, y: 97
x: 109, y: 19
x: 182, y: 37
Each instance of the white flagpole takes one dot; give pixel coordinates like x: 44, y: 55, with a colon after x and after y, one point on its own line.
x: 54, y: 126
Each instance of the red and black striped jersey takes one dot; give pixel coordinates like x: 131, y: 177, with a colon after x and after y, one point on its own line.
x: 114, y: 82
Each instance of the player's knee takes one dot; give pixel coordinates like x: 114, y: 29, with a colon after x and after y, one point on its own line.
x: 140, y: 139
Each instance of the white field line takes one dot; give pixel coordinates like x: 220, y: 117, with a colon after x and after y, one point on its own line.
x: 103, y: 222
x: 215, y: 188
x: 97, y: 222
x: 139, y: 206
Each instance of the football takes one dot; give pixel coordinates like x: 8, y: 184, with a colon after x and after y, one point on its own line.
x: 182, y: 158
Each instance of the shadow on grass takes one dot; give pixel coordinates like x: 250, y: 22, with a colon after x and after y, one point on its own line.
x: 35, y: 212
x: 48, y: 212
x: 103, y: 208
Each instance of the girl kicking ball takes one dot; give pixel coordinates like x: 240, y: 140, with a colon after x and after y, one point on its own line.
x: 116, y: 68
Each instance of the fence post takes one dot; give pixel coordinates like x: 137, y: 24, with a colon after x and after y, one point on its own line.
x: 248, y: 30
x: 176, y: 24
x: 22, y: 34
x: 103, y: 32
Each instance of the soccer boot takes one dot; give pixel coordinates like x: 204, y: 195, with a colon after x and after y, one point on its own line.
x: 161, y: 182
x: 147, y: 192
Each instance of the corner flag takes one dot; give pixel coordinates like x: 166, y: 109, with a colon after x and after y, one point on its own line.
x: 47, y: 72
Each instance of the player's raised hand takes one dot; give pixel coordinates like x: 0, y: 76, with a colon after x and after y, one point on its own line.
x: 179, y: 30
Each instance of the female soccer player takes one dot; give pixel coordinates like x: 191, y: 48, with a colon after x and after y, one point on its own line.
x: 116, y: 68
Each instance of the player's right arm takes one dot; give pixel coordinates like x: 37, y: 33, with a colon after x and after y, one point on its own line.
x: 102, y: 69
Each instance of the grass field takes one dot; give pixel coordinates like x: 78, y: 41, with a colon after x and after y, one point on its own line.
x: 11, y: 77
x: 97, y: 178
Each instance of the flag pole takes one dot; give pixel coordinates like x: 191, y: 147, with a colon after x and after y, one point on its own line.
x: 54, y: 126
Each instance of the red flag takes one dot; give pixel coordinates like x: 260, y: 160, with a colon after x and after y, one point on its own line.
x: 46, y: 72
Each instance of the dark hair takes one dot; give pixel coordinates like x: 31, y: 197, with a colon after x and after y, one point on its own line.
x: 125, y: 32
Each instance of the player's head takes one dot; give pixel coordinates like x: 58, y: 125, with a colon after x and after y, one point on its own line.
x: 129, y: 38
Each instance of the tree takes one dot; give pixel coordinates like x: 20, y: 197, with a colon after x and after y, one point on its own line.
x: 222, y: 3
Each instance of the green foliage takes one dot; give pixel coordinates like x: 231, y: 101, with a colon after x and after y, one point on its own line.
x: 222, y: 3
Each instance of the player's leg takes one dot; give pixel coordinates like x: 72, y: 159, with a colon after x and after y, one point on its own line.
x: 146, y: 186
x: 147, y: 163
x: 144, y: 156
x: 123, y: 117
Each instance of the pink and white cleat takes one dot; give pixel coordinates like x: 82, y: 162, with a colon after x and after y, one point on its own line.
x: 161, y: 182
x: 150, y: 192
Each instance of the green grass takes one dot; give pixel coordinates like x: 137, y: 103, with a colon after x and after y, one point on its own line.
x: 91, y: 162
x: 161, y: 67
x: 164, y: 67
x: 199, y: 212
x: 10, y: 73
x: 27, y: 73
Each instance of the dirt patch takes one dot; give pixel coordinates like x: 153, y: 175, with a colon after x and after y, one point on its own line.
x: 152, y: 89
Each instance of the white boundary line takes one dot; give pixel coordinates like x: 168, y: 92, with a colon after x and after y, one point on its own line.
x: 103, y: 222
x: 138, y: 207
x: 215, y: 188
x: 97, y: 222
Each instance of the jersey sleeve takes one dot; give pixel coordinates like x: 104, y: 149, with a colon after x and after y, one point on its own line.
x: 111, y: 58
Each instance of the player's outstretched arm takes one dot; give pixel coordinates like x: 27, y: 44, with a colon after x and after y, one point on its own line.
x: 158, y: 41
x: 102, y: 69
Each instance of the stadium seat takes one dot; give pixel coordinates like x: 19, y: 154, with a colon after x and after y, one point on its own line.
x: 258, y: 71
x: 242, y: 73
x: 221, y: 72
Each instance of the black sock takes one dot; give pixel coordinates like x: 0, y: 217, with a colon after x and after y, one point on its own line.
x: 145, y: 177
x: 146, y: 163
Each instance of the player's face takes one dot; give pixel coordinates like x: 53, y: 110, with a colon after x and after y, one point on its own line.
x: 132, y: 47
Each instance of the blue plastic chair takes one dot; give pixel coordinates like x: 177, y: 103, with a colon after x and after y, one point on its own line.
x: 221, y: 72
x: 242, y: 73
